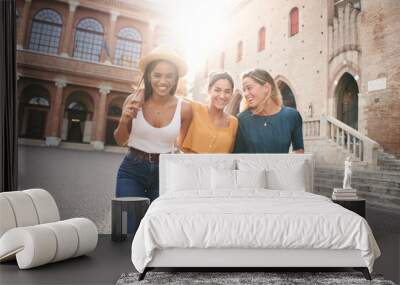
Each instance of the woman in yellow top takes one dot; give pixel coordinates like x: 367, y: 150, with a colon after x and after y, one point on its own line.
x: 212, y: 130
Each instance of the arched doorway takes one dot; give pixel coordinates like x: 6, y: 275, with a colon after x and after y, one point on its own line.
x: 77, y: 117
x: 33, y: 112
x: 287, y: 95
x: 347, y: 100
x: 113, y: 115
x: 77, y: 113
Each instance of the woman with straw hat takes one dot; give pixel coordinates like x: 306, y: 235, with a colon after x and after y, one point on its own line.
x: 266, y: 126
x: 153, y: 126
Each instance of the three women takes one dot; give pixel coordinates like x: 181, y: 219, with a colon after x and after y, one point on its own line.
x: 160, y: 121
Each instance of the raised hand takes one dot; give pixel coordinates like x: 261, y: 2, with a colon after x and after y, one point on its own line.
x: 131, y: 106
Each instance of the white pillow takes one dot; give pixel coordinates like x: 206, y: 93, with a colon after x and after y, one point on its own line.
x: 223, y: 179
x: 251, y: 178
x: 282, y: 174
x: 289, y: 180
x: 181, y: 177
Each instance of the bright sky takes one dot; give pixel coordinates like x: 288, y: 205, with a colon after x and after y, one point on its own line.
x: 200, y: 27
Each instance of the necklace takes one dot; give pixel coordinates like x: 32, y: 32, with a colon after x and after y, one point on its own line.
x: 266, y: 122
x: 158, y: 111
x: 157, y: 108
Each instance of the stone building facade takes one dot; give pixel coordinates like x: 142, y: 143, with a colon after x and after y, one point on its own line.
x: 338, y: 58
x: 77, y: 62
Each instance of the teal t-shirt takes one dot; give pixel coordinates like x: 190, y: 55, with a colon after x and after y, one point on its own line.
x: 269, y: 134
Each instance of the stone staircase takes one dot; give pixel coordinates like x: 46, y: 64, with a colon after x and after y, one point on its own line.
x: 376, y: 174
x: 379, y: 187
x: 388, y: 162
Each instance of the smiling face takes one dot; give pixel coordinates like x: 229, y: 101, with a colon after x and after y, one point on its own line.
x: 254, y: 92
x: 220, y: 93
x: 163, y: 78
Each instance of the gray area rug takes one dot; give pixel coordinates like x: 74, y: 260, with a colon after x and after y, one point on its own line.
x: 273, y: 278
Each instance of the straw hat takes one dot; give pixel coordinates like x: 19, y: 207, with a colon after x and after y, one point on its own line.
x: 164, y: 53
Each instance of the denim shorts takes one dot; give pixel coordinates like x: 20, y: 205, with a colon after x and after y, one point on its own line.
x: 137, y: 178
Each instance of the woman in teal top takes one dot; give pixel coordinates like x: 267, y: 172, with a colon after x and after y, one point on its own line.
x: 267, y: 126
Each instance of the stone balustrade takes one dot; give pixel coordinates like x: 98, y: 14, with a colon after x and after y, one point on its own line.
x: 357, y: 145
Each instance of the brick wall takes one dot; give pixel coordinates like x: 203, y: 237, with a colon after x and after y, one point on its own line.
x: 380, y: 42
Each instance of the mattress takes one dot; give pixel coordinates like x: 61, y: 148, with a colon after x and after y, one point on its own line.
x: 250, y: 219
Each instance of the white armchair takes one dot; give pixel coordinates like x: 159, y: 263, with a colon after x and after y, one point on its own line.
x: 31, y: 230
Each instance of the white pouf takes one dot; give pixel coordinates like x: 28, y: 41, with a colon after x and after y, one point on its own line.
x: 31, y: 232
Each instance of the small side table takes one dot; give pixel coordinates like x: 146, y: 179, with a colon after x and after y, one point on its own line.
x: 357, y: 206
x: 121, y: 209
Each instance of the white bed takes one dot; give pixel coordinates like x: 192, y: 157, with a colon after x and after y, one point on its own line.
x: 247, y: 211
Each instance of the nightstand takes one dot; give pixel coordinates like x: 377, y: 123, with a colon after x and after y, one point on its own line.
x: 121, y: 209
x: 357, y: 206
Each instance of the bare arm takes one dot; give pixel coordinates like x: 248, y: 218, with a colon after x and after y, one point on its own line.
x: 187, y: 115
x: 297, y: 136
x: 130, y: 108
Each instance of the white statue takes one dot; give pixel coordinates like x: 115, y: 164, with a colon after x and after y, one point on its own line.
x: 347, y: 173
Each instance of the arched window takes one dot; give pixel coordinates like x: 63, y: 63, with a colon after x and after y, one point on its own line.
x: 294, y: 21
x: 239, y: 51
x: 40, y: 101
x: 46, y: 31
x: 222, y: 61
x: 77, y: 106
x: 129, y: 46
x: 89, y: 39
x: 261, y: 39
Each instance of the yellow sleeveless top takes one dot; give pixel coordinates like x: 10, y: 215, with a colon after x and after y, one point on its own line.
x: 204, y: 137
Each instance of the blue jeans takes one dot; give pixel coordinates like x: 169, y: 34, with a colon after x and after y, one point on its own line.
x: 137, y: 178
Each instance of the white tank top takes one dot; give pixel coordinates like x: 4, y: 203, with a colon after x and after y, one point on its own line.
x: 149, y: 139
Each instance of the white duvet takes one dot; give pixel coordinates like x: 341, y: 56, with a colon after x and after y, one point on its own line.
x: 252, y: 218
